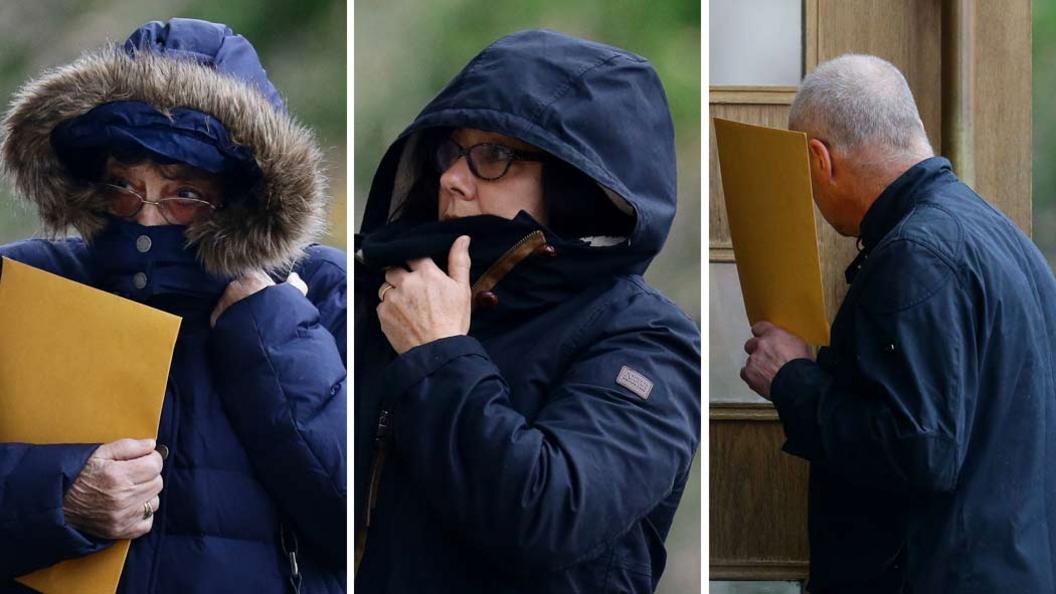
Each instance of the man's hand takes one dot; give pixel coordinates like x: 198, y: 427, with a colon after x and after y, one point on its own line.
x: 425, y: 304
x: 768, y: 350
x: 108, y: 499
x: 243, y: 287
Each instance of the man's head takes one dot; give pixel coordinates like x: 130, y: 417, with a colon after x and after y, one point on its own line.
x: 863, y: 132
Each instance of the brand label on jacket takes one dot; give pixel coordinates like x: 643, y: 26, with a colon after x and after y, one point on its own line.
x: 635, y: 382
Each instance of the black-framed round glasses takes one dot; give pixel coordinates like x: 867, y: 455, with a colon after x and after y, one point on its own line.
x: 487, y: 160
x: 126, y: 203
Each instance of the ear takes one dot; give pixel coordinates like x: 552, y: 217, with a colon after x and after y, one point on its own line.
x: 820, y: 161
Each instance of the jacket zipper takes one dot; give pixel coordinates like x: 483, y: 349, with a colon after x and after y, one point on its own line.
x: 527, y: 246
x: 381, y: 447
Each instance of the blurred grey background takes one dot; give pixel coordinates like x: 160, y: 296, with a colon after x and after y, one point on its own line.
x: 406, y: 51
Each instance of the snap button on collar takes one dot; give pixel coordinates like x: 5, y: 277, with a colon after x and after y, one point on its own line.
x: 143, y: 244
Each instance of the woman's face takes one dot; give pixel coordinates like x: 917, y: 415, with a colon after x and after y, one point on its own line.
x: 174, y: 194
x: 463, y: 194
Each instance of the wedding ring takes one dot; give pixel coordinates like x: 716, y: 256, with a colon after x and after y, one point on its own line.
x: 147, y: 510
x: 385, y: 288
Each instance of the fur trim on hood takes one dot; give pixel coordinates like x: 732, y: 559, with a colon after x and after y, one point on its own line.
x: 269, y: 231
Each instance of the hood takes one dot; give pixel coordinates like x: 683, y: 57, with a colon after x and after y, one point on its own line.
x: 598, y: 108
x: 175, y: 67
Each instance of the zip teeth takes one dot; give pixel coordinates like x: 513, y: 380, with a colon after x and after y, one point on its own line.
x: 502, y: 266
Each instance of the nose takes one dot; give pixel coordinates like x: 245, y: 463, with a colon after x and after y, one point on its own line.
x: 150, y: 214
x: 458, y: 179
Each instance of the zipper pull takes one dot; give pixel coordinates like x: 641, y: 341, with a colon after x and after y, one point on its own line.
x: 384, y: 426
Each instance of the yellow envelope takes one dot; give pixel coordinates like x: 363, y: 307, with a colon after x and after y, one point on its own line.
x: 769, y: 205
x: 79, y: 365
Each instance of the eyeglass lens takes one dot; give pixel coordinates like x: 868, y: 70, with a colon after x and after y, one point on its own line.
x: 126, y: 203
x: 487, y: 161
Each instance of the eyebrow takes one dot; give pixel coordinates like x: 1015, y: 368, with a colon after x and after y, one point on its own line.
x: 177, y: 172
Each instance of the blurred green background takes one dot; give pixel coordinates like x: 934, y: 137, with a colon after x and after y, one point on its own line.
x: 406, y: 51
x: 1044, y: 127
x: 302, y: 44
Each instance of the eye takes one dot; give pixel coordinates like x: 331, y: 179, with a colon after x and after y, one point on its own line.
x: 191, y: 193
x: 119, y: 182
x: 495, y: 153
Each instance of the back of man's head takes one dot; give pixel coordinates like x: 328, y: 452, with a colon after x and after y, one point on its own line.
x: 857, y: 102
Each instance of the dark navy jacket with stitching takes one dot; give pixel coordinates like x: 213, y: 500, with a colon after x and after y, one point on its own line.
x: 930, y: 421
x: 254, y: 419
x: 516, y: 460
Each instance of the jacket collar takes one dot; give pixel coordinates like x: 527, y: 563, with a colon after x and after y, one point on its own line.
x: 895, y: 202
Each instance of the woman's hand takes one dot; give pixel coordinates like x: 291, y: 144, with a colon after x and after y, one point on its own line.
x: 109, y: 498
x: 243, y: 287
x: 425, y: 304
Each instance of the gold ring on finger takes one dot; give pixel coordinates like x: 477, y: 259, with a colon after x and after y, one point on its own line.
x: 385, y: 288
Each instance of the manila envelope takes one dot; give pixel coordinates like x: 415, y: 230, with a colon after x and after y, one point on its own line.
x: 769, y: 205
x: 79, y: 365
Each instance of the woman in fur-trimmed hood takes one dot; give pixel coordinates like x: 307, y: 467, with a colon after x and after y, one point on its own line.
x: 193, y: 191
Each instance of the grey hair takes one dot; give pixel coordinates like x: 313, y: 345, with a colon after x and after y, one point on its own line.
x: 856, y: 100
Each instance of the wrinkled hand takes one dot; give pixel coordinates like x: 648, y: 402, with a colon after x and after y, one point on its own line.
x: 106, y: 499
x: 424, y: 304
x: 768, y: 350
x: 243, y: 287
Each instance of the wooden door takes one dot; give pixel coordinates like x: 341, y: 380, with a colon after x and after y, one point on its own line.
x: 968, y: 65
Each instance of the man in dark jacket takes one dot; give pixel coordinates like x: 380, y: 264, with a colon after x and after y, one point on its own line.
x: 929, y: 419
x: 541, y: 442
x: 253, y: 420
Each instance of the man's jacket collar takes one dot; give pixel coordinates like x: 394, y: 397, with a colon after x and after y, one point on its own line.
x: 900, y: 196
x: 895, y: 202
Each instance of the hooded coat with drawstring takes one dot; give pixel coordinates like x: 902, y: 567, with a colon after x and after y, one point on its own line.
x: 548, y: 449
x: 254, y: 409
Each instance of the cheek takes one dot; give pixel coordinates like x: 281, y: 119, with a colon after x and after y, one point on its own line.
x: 509, y: 201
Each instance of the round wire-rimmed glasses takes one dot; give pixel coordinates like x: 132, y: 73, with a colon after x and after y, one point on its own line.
x: 487, y: 160
x: 126, y: 203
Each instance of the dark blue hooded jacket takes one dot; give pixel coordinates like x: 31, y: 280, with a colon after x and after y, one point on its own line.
x: 254, y: 409
x: 929, y: 421
x: 547, y: 450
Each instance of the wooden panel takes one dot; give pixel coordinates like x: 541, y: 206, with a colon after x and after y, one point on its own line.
x: 1002, y: 107
x: 758, y: 498
x: 907, y: 33
x: 810, y: 35
x: 752, y: 95
x: 774, y: 116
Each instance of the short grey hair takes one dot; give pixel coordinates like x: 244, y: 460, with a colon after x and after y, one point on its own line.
x: 856, y: 100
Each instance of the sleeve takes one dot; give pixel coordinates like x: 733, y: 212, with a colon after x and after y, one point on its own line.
x: 282, y: 383
x: 33, y: 529
x: 34, y: 479
x: 890, y: 410
x: 549, y: 492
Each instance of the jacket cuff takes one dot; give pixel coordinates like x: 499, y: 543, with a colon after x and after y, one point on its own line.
x: 418, y: 363
x: 274, y: 312
x: 33, y: 516
x: 795, y: 391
